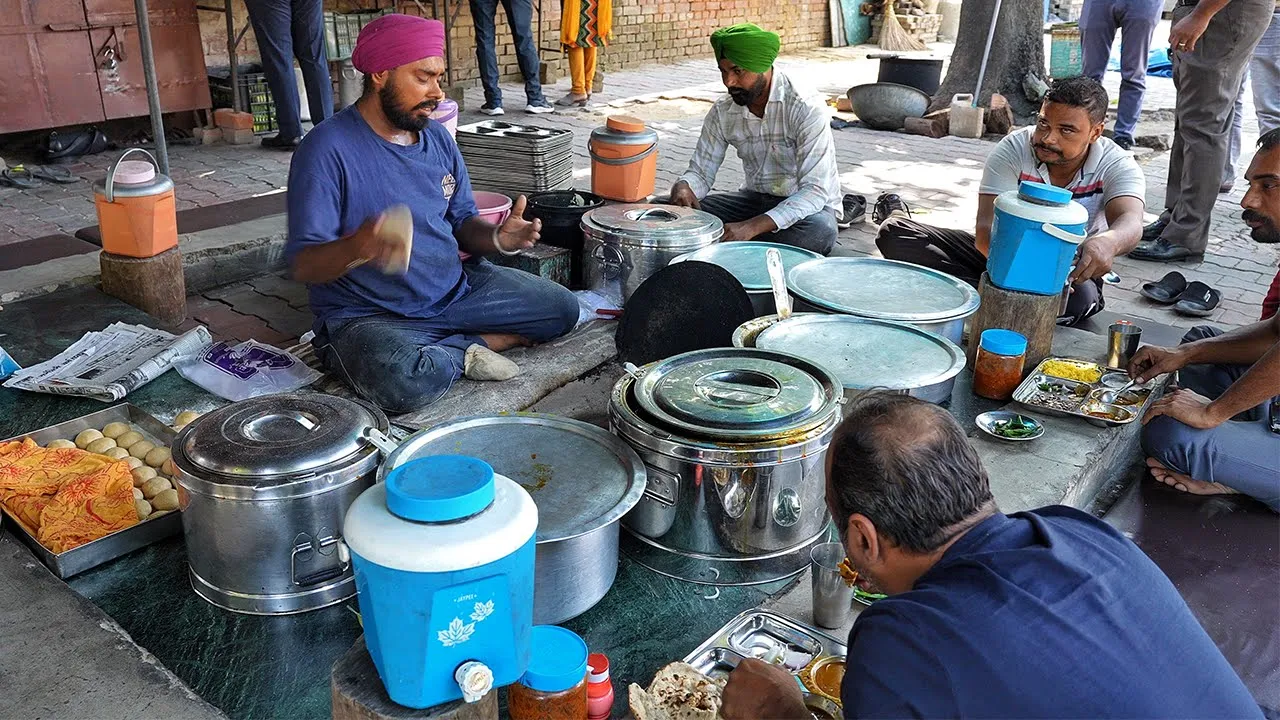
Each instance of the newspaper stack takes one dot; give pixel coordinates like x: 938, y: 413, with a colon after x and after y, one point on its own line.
x: 110, y: 364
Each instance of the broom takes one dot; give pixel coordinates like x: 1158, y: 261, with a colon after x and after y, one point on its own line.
x: 893, y: 36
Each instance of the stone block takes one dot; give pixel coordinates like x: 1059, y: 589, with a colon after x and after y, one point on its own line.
x: 597, y: 83
x: 458, y: 94
x: 207, y: 135
x: 551, y: 72
x: 240, y: 136
x: 227, y: 118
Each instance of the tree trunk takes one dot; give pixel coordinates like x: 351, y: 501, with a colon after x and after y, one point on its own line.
x: 1016, y: 50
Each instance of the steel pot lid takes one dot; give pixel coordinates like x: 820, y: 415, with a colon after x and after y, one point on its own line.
x: 580, y: 476
x: 746, y: 260
x: 277, y: 436
x: 882, y: 289
x: 734, y: 393
x: 654, y: 225
x: 866, y: 353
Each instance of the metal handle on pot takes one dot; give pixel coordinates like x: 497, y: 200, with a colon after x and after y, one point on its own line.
x: 611, y: 265
x: 379, y: 440
x: 620, y: 161
x: 662, y: 487
x: 320, y: 576
x: 111, y: 172
x: 778, y: 281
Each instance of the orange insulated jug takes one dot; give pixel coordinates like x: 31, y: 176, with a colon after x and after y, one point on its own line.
x: 137, y: 214
x: 624, y: 159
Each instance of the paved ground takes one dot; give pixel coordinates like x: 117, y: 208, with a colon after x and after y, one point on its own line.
x: 937, y: 177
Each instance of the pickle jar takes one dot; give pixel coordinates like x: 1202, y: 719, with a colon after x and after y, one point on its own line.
x: 555, y: 685
x: 997, y: 370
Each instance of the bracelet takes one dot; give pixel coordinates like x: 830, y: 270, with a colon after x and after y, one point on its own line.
x: 499, y: 247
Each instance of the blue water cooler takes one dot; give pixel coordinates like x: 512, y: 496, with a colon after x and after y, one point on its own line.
x: 1035, y: 235
x: 443, y: 555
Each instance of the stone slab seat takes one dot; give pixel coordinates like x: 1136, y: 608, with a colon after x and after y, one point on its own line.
x: 37, y: 250
x: 211, y: 216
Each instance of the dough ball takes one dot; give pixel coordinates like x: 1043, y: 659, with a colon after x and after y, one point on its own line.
x: 60, y: 444
x: 155, y: 486
x: 117, y: 453
x: 87, y: 436
x: 157, y: 457
x: 137, y: 494
x: 143, y: 507
x: 166, y: 500
x: 142, y: 475
x: 134, y: 463
x: 115, y: 430
x: 129, y: 439
x: 101, y: 445
x: 185, y: 418
x: 140, y: 449
x: 157, y: 513
x: 167, y: 468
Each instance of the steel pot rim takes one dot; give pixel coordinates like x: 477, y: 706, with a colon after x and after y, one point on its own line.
x: 966, y: 309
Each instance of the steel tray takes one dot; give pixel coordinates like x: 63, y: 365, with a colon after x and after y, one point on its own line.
x: 1027, y: 389
x: 110, y: 547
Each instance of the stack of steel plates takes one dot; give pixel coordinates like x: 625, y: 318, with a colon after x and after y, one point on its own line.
x: 509, y: 158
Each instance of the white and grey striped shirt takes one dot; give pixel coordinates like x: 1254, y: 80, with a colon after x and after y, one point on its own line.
x: 787, y: 153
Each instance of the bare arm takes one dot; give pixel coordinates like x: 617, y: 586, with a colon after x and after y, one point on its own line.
x: 1124, y: 230
x: 480, y: 238
x: 986, y: 216
x: 1185, y: 33
x: 326, y: 262
x: 1259, y: 384
x: 1243, y: 346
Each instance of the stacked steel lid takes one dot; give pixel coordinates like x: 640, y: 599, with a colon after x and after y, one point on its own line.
x: 511, y: 158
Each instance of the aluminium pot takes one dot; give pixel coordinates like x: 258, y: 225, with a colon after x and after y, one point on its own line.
x: 264, y: 485
x: 625, y: 244
x: 582, y: 479
x: 721, y: 508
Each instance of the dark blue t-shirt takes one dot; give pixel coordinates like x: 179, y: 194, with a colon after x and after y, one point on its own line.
x: 1041, y: 614
x: 343, y: 174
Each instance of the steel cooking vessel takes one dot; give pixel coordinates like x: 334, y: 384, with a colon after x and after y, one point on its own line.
x: 721, y: 508
x: 625, y: 244
x: 746, y: 262
x: 583, y: 481
x: 264, y: 485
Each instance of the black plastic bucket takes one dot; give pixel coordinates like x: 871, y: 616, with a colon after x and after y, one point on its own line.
x: 561, y: 214
x: 923, y: 74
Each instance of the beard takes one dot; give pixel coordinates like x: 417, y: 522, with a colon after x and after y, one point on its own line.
x: 404, y: 119
x: 1048, y: 154
x: 1266, y: 232
x: 747, y: 96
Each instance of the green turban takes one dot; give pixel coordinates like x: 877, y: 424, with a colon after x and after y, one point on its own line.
x: 748, y: 46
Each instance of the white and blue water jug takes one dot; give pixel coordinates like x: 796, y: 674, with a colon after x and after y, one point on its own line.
x: 443, y: 555
x: 1034, y: 238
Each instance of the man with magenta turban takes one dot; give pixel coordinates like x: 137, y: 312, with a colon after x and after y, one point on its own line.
x: 380, y: 213
x: 792, y: 189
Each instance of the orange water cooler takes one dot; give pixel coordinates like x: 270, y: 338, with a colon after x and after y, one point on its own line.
x: 624, y: 159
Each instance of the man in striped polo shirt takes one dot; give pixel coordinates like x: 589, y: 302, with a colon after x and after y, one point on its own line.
x: 1065, y: 149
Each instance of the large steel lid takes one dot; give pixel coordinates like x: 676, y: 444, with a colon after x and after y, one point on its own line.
x: 746, y: 260
x: 654, y: 225
x: 736, y: 393
x: 580, y: 476
x: 882, y: 289
x: 277, y: 437
x: 866, y: 353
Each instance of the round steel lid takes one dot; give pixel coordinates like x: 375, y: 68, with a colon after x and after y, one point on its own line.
x: 733, y: 393
x: 580, y: 476
x: 865, y: 353
x: 882, y: 289
x: 278, y: 436
x: 653, y: 225
x: 746, y: 260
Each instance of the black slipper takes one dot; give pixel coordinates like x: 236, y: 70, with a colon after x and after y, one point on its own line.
x: 1167, y: 291
x: 854, y: 210
x: 18, y: 177
x: 1198, y: 300
x: 52, y: 174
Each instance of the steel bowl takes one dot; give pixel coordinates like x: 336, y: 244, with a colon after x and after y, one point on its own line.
x: 886, y: 106
x: 987, y: 423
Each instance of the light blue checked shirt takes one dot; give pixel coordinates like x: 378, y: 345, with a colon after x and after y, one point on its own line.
x: 787, y: 153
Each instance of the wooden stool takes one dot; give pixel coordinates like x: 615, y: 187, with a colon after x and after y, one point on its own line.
x: 154, y: 285
x: 1033, y: 316
x: 358, y: 694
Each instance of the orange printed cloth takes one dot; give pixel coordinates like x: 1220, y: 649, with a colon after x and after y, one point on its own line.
x: 67, y: 497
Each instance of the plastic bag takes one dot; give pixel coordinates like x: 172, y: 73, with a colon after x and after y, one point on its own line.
x: 247, y: 370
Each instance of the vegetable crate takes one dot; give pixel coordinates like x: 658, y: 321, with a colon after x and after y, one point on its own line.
x: 255, y: 98
x: 1066, y: 54
x: 342, y: 29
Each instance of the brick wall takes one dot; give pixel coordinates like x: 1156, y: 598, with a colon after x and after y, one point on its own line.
x: 644, y: 31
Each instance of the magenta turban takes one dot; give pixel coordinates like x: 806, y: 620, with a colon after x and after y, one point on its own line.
x: 395, y: 40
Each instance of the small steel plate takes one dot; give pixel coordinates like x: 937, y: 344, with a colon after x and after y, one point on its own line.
x: 987, y: 423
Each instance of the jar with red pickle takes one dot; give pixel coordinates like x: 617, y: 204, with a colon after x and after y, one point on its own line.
x: 555, y: 685
x: 997, y: 370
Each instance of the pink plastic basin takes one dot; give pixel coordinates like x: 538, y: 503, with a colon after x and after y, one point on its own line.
x: 494, y: 207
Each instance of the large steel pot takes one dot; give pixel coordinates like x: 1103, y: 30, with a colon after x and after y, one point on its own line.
x: 721, y: 509
x: 746, y: 262
x: 583, y: 481
x: 625, y: 244
x: 264, y: 485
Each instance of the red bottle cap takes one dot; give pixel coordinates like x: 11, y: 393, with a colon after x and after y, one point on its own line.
x: 597, y: 668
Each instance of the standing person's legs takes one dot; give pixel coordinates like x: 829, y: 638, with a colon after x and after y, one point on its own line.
x: 589, y: 67
x: 577, y: 70
x: 1138, y: 22
x: 520, y: 16
x: 1264, y: 68
x: 272, y: 27
x: 1097, y: 35
x: 1236, y: 137
x: 951, y: 251
x: 309, y: 47
x: 482, y: 15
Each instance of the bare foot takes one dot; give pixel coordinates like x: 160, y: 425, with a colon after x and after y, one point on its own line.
x: 1184, y: 482
x: 501, y: 342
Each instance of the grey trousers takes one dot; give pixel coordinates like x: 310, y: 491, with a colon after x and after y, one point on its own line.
x: 816, y: 232
x: 1136, y: 20
x: 1264, y: 79
x: 1242, y: 454
x: 1207, y: 81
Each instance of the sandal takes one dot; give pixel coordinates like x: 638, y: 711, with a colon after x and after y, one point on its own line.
x: 18, y: 177
x: 1167, y: 291
x: 1198, y: 300
x: 51, y: 174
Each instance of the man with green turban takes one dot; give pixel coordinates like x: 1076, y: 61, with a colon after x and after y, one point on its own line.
x: 783, y: 137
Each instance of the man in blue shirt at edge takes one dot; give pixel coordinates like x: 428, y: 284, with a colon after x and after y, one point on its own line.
x: 1047, y: 613
x: 401, y: 340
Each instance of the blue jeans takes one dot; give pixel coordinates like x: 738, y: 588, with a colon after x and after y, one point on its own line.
x: 1136, y: 20
x: 286, y: 29
x: 520, y: 16
x: 1242, y: 454
x: 402, y: 364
